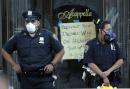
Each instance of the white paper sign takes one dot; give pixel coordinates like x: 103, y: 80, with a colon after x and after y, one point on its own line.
x: 74, y: 36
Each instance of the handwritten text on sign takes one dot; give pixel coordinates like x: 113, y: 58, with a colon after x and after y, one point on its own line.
x: 74, y: 36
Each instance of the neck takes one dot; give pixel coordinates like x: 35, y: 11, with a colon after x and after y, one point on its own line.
x: 101, y: 39
x: 32, y: 34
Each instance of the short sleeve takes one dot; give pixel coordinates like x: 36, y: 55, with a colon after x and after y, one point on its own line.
x: 88, y: 54
x: 10, y: 45
x: 55, y: 43
x: 118, y: 52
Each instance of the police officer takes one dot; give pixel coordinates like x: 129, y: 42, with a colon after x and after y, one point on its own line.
x: 38, y: 53
x: 103, y: 57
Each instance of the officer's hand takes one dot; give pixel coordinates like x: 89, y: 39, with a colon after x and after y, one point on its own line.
x: 107, y: 73
x: 49, y: 68
x: 103, y: 75
x: 17, y: 68
x: 106, y: 81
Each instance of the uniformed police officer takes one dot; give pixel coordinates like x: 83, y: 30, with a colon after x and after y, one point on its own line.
x: 38, y: 53
x: 103, y: 57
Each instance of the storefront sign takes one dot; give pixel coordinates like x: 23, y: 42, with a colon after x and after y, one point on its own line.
x: 73, y: 13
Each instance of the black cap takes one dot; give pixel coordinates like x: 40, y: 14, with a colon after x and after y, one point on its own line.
x: 31, y: 15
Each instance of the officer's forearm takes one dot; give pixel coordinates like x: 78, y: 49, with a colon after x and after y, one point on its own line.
x: 116, y: 65
x: 8, y: 57
x: 96, y: 69
x: 58, y: 57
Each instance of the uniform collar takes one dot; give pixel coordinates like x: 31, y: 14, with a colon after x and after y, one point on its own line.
x: 38, y: 32
x: 25, y: 32
x: 99, y: 42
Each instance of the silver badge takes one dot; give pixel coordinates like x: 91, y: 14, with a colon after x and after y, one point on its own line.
x: 30, y: 13
x: 41, y: 40
x: 113, y: 47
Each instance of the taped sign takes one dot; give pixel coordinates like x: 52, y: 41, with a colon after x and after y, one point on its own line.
x: 74, y: 36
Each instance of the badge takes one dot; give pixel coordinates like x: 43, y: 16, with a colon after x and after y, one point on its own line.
x: 41, y: 40
x: 112, y: 47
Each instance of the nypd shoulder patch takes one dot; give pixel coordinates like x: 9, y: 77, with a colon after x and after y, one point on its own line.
x: 11, y: 37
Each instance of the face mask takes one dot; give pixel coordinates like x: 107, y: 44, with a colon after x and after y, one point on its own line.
x: 31, y: 28
x: 109, y: 36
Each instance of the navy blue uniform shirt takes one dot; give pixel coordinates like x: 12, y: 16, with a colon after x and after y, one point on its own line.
x: 103, y: 55
x: 34, y: 52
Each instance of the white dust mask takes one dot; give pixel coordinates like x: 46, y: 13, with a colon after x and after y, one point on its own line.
x: 31, y: 28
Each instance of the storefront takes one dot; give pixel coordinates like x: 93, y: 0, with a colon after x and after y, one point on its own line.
x: 118, y: 11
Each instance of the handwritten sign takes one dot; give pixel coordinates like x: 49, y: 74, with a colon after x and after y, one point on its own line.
x: 74, y: 36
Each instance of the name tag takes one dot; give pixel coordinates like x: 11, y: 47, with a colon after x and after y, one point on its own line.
x: 41, y: 40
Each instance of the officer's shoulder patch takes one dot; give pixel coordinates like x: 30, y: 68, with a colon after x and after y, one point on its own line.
x: 55, y: 37
x: 11, y: 37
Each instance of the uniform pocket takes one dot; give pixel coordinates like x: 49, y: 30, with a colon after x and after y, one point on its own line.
x: 41, y: 49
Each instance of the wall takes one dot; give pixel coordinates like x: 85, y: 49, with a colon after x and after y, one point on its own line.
x: 12, y: 22
x: 95, y: 5
x: 0, y: 35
